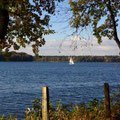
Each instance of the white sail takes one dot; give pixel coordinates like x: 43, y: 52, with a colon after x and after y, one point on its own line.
x: 71, y: 61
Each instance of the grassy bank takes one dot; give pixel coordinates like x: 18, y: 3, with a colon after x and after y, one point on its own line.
x: 95, y: 110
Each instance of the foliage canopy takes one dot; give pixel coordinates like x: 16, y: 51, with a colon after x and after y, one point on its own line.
x: 92, y: 12
x: 25, y: 22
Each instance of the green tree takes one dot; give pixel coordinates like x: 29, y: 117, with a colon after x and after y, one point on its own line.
x: 25, y: 22
x: 91, y: 12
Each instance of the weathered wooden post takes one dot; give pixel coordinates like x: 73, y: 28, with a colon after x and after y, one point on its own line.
x: 107, y: 100
x: 45, y: 103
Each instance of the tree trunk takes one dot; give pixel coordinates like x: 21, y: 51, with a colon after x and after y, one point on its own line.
x: 114, y: 24
x: 4, y: 19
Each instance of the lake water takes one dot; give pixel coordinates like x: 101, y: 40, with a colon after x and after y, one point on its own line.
x: 21, y: 83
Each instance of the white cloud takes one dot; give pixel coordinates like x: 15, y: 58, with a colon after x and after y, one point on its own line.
x: 28, y: 50
x: 107, y: 47
x: 91, y: 47
x: 84, y: 47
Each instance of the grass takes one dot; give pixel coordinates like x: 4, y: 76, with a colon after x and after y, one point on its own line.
x: 95, y: 110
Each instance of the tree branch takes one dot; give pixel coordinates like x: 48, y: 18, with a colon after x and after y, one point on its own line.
x: 114, y: 24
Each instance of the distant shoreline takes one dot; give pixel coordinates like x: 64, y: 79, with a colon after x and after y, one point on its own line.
x: 78, y: 58
x: 24, y: 57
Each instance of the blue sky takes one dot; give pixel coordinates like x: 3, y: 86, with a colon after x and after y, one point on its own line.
x: 64, y: 43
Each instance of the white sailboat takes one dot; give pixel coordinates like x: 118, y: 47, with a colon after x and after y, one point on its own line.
x: 71, y: 62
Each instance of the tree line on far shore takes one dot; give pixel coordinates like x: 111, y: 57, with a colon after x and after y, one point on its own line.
x: 79, y: 58
x: 14, y: 56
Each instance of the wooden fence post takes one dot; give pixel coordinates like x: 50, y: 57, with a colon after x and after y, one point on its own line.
x: 45, y: 103
x: 107, y: 100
